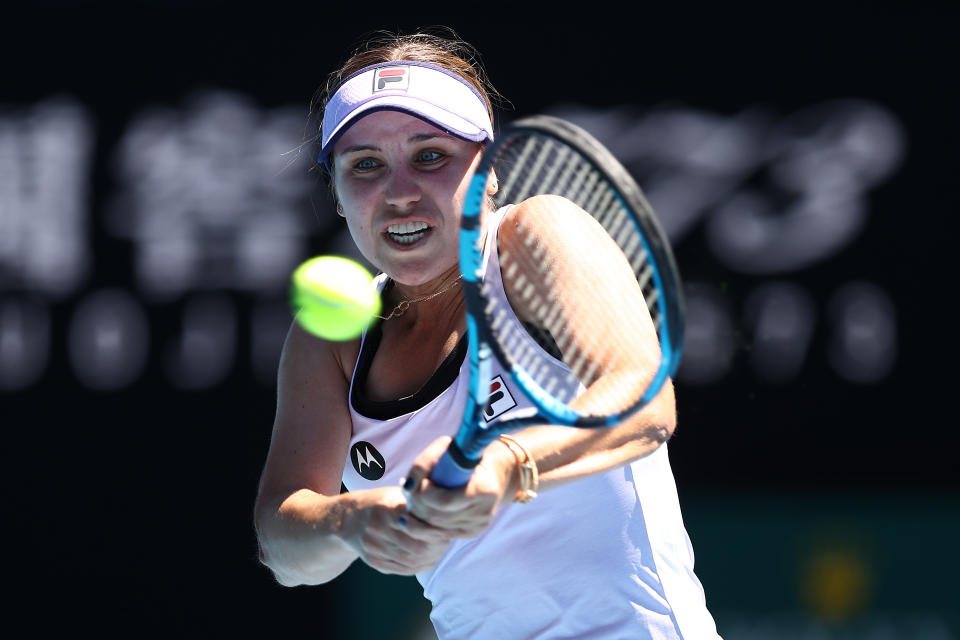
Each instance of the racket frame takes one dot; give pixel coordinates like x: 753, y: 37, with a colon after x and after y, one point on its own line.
x: 475, y: 434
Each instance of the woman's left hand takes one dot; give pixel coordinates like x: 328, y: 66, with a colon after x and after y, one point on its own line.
x: 465, y: 511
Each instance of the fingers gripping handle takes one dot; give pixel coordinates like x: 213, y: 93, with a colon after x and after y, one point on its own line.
x: 453, y: 469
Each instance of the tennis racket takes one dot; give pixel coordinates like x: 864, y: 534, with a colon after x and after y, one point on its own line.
x: 542, y: 157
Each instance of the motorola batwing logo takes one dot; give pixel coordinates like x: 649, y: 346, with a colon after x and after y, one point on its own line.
x: 367, y: 461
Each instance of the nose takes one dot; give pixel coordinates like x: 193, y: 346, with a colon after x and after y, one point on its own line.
x: 402, y: 190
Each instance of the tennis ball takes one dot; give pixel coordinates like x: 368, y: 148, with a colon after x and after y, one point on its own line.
x: 333, y: 297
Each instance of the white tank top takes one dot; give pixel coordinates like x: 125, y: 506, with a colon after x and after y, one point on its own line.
x: 605, y: 557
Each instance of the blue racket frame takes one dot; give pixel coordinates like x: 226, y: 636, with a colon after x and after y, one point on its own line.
x: 457, y: 464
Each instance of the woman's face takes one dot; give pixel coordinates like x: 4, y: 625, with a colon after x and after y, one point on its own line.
x: 401, y: 184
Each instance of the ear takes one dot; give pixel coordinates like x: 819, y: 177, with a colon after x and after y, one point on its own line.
x: 492, y: 184
x: 332, y: 186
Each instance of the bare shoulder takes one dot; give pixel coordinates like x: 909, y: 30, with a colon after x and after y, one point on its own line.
x: 553, y: 224
x: 556, y: 232
x: 579, y: 268
x: 307, y: 360
x: 544, y: 209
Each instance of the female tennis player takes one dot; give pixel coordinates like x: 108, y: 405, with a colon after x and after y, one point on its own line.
x: 560, y: 532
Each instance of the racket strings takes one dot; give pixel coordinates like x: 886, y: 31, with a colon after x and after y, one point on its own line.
x: 538, y: 165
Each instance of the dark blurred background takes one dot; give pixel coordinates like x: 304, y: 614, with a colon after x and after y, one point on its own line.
x: 156, y: 192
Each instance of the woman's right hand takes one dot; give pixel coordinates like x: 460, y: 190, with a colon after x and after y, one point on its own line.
x: 379, y: 529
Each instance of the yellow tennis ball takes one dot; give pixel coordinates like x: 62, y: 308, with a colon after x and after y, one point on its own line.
x: 334, y: 297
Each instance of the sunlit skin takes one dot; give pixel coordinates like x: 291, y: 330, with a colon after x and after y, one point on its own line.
x: 391, y: 167
x: 388, y: 168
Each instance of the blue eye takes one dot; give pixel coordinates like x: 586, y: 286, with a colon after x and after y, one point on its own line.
x: 366, y: 164
x: 429, y: 156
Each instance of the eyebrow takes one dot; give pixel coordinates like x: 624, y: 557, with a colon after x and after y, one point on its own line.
x: 420, y: 137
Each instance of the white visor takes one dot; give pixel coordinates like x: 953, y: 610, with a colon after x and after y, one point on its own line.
x: 426, y: 91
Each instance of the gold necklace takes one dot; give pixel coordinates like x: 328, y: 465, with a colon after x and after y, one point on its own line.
x: 401, y: 308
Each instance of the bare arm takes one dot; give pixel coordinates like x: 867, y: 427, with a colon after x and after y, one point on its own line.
x: 613, y: 327
x: 618, y: 341
x: 308, y: 532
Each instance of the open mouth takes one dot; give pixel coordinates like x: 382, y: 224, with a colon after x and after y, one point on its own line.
x: 407, y: 232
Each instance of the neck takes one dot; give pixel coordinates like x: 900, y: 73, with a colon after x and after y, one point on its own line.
x: 412, y: 292
x: 432, y: 300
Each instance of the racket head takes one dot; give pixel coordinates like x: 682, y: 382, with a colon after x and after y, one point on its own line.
x: 536, y: 160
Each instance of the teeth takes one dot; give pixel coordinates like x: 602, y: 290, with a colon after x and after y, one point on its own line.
x: 407, y: 227
x: 407, y: 239
x: 407, y: 232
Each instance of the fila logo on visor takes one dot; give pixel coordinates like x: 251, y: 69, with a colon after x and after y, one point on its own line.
x: 392, y: 79
x: 367, y: 461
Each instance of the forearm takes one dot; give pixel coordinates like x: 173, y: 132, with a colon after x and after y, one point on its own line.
x: 300, y: 537
x: 564, y: 454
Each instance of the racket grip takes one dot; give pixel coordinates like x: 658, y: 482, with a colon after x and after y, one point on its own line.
x: 451, y: 474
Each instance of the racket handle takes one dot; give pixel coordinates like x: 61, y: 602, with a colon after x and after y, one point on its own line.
x: 451, y: 474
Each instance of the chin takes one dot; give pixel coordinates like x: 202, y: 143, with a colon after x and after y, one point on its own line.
x: 417, y: 271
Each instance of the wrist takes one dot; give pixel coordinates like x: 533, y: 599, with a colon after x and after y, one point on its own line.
x: 504, y: 465
x: 525, y: 479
